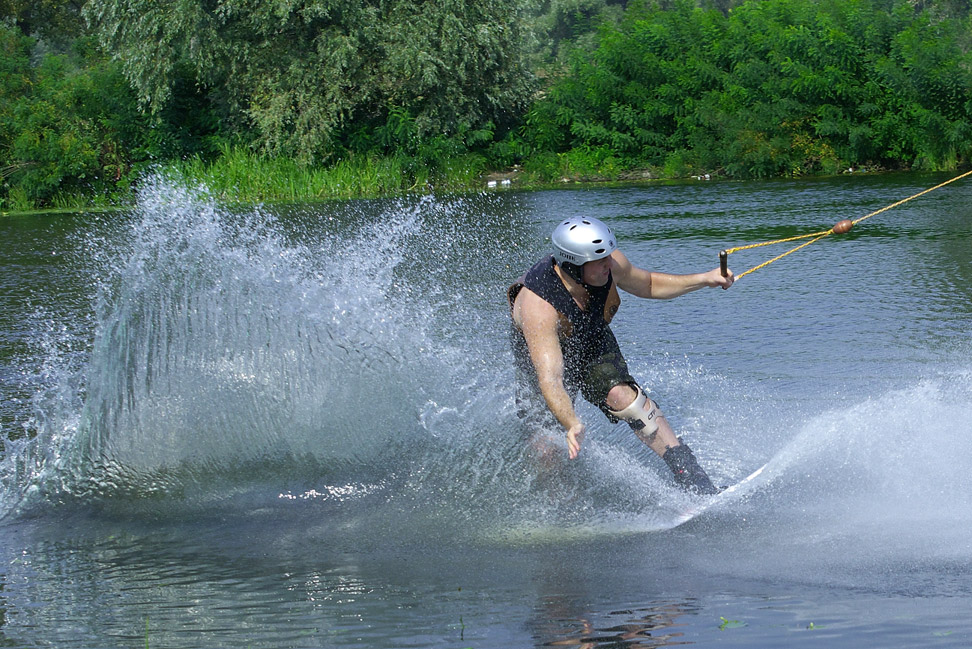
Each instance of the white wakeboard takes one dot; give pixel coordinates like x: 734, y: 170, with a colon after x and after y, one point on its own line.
x: 726, y: 494
x: 541, y: 533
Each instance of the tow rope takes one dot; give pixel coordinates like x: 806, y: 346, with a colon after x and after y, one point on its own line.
x: 839, y: 228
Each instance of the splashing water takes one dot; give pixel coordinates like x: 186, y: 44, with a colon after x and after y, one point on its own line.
x: 243, y: 360
x: 222, y: 353
x: 350, y: 363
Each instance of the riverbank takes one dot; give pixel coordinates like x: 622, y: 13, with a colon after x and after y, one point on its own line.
x: 240, y: 177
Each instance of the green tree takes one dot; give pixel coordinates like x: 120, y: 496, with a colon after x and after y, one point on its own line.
x: 56, y: 21
x: 928, y: 73
x: 776, y: 87
x: 554, y: 27
x: 304, y: 76
x: 69, y: 124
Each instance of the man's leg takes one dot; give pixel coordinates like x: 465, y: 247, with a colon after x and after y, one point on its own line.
x: 608, y: 384
x: 629, y: 403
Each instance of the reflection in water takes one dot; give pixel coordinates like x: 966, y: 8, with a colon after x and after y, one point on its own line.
x: 564, y: 614
x: 654, y: 625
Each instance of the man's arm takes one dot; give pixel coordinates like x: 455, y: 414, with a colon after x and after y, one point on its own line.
x: 662, y: 286
x: 539, y: 321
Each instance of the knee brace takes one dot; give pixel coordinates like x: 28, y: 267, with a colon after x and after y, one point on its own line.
x: 640, y: 414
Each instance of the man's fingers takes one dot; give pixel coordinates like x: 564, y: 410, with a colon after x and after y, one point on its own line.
x: 574, y: 437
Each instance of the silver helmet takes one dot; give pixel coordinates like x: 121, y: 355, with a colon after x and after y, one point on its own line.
x: 579, y: 240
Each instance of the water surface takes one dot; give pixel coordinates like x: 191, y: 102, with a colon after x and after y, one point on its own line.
x: 293, y: 426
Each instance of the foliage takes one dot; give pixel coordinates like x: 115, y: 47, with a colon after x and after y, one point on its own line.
x: 66, y: 124
x: 777, y: 87
x: 294, y: 97
x: 306, y: 77
x: 70, y: 124
x: 238, y: 175
x: 58, y: 22
x: 557, y: 26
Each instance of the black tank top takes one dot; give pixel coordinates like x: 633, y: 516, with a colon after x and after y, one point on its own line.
x: 587, y: 327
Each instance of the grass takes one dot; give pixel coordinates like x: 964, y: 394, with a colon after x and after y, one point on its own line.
x: 240, y: 176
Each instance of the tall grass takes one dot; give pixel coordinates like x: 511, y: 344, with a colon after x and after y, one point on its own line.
x: 240, y: 176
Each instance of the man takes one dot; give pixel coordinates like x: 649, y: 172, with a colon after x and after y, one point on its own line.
x: 561, y: 310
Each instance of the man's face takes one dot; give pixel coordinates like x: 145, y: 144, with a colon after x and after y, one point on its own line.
x: 596, y: 273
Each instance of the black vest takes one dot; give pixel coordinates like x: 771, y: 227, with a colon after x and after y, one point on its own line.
x: 582, y: 334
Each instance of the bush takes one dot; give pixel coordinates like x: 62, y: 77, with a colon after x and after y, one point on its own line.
x: 68, y: 124
x: 775, y: 87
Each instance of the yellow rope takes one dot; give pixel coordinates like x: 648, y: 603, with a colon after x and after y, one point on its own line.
x: 825, y: 233
x: 905, y: 200
x: 778, y: 257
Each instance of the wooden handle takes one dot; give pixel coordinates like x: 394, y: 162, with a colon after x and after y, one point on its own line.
x: 724, y: 263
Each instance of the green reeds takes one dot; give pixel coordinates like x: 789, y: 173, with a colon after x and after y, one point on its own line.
x: 241, y: 176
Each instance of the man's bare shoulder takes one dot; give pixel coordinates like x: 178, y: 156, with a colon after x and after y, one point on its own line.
x: 530, y: 311
x: 630, y: 278
x: 620, y: 264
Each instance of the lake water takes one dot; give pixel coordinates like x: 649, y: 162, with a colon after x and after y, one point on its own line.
x: 293, y: 426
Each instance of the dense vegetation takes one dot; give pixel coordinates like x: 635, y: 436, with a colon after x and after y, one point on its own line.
x: 777, y: 87
x: 303, y: 98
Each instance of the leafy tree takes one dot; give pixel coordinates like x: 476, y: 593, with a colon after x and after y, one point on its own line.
x: 556, y: 26
x: 56, y: 21
x: 68, y: 124
x: 304, y: 76
x: 776, y: 87
x: 754, y: 88
x: 929, y: 69
x: 15, y: 80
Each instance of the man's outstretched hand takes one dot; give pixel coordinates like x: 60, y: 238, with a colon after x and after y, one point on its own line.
x: 574, y: 438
